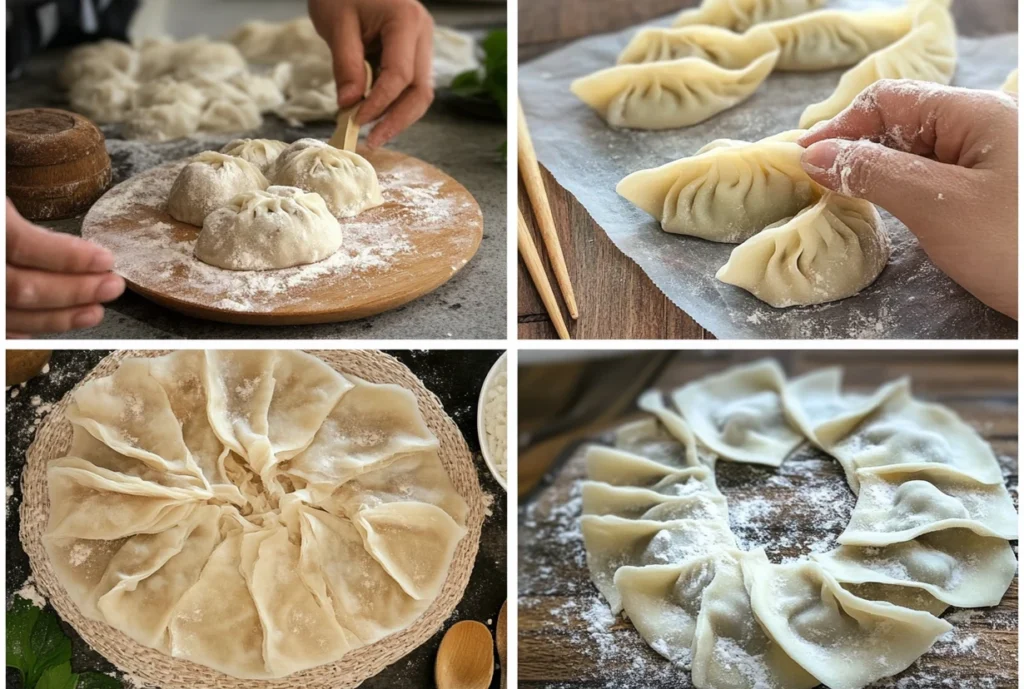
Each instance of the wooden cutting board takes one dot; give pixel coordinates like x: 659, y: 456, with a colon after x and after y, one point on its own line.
x: 568, y: 638
x: 428, y: 228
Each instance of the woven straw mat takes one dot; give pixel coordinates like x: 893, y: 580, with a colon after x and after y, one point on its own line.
x: 53, y: 440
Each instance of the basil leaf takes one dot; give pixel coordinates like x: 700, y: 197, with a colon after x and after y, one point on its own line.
x: 49, y: 645
x: 21, y: 619
x: 58, y: 677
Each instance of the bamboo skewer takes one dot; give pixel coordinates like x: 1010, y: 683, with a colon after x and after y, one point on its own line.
x: 529, y: 170
x: 531, y: 257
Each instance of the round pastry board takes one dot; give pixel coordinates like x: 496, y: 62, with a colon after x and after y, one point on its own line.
x: 155, y: 668
x: 428, y: 228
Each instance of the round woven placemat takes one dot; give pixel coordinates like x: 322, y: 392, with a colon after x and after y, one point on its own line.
x: 153, y: 667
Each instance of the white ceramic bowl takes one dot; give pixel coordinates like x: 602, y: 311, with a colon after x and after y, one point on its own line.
x: 481, y: 430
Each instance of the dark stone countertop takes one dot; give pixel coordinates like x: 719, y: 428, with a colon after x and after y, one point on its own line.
x: 454, y: 376
x: 472, y: 305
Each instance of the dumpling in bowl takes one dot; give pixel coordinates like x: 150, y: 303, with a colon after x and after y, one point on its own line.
x: 267, y: 230
x: 208, y: 182
x: 345, y: 180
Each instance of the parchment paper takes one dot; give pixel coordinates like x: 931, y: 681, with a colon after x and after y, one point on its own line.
x: 911, y: 299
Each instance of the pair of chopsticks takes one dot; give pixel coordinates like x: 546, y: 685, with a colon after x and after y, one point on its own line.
x: 529, y: 169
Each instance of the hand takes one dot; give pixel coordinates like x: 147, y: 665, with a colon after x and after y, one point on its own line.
x: 944, y: 162
x: 55, y: 282
x: 404, y: 31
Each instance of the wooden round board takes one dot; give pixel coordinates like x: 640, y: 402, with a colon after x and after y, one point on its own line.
x: 427, y: 229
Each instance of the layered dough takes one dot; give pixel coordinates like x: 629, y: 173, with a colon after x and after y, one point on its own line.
x: 930, y: 529
x: 256, y: 512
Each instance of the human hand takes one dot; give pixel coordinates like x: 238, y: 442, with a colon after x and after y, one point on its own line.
x: 403, y: 31
x: 55, y: 282
x: 943, y: 161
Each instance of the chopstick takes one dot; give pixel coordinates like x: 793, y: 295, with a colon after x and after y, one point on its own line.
x: 531, y: 257
x: 529, y: 169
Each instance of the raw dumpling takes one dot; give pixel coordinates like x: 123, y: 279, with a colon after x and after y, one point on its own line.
x: 805, y: 611
x: 100, y: 60
x: 260, y: 152
x: 790, y: 136
x: 315, y: 105
x: 739, y: 413
x: 653, y: 402
x: 612, y: 542
x: 210, y: 59
x: 263, y: 91
x: 730, y: 649
x: 649, y: 438
x: 668, y: 95
x: 311, y: 74
x: 828, y: 252
x: 954, y: 565
x: 209, y: 181
x: 223, y: 115
x: 255, y: 40
x: 659, y: 504
x: 267, y: 230
x: 1011, y: 82
x: 157, y: 58
x: 927, y: 53
x: 346, y: 181
x: 740, y: 15
x: 901, y: 502
x: 831, y: 38
x: 720, y: 46
x: 162, y: 122
x: 727, y: 194
x: 104, y: 101
x: 169, y: 91
x: 627, y: 469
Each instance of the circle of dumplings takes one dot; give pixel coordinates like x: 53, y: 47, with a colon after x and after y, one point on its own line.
x: 929, y: 530
x: 257, y: 513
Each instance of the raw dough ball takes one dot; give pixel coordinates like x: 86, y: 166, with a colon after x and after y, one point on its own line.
x: 105, y: 101
x: 157, y: 58
x: 311, y: 74
x: 208, y: 182
x: 210, y: 59
x: 162, y: 122
x: 345, y: 179
x: 96, y: 61
x: 263, y: 91
x: 255, y: 39
x: 260, y: 152
x: 310, y: 106
x: 266, y: 230
x: 223, y: 115
x: 167, y: 90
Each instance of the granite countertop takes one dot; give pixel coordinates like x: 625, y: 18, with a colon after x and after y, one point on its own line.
x: 454, y: 376
x: 472, y: 305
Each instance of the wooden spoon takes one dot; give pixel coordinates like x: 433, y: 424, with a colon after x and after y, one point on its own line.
x: 465, y: 659
x: 346, y: 135
x: 502, y: 634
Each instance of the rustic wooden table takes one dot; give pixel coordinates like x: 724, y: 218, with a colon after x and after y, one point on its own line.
x: 616, y: 298
x: 569, y: 640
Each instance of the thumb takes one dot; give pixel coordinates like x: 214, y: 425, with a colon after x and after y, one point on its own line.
x: 902, y: 183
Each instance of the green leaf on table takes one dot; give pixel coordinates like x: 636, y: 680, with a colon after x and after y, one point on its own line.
x: 21, y: 620
x: 58, y: 677
x: 49, y: 645
x: 97, y: 680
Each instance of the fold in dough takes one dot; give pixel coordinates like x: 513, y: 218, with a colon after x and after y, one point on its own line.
x: 662, y: 504
x: 740, y: 15
x: 626, y: 469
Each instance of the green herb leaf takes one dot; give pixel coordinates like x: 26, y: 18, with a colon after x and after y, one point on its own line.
x: 58, y: 677
x: 49, y: 645
x: 97, y: 680
x: 21, y: 619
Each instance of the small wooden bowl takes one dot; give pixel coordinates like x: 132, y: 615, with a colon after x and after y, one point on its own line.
x: 57, y: 163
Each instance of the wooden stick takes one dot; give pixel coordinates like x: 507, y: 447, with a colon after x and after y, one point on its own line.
x: 529, y: 169
x: 346, y: 135
x: 528, y: 250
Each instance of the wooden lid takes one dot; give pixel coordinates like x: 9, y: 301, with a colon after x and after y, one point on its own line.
x: 47, y: 136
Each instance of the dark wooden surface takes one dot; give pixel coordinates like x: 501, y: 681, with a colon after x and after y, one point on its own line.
x: 616, y: 298
x: 561, y: 647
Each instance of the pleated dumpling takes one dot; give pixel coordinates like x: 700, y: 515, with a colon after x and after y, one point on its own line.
x: 260, y: 152
x: 739, y: 413
x: 346, y: 181
x: 278, y: 228
x: 730, y: 649
x: 659, y: 503
x: 648, y: 437
x: 620, y: 468
x: 831, y: 38
x: 209, y: 181
x: 806, y: 612
x: 723, y: 47
x: 927, y: 53
x: 900, y: 502
x: 726, y: 194
x: 1011, y: 83
x: 955, y: 566
x: 827, y: 252
x: 740, y: 15
x: 669, y: 95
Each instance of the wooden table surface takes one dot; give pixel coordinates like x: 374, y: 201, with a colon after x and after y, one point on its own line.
x: 567, y: 638
x: 616, y: 298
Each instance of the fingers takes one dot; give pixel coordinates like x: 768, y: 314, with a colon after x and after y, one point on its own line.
x: 399, y: 38
x: 36, y: 289
x: 30, y: 246
x: 414, y: 102
x: 348, y: 53
x: 53, y: 320
x: 904, y: 184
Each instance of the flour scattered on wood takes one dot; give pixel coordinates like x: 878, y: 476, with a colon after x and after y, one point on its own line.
x: 29, y: 592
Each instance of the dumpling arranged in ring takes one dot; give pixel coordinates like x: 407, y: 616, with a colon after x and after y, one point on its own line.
x: 727, y: 193
x: 267, y: 230
x: 208, y: 182
x: 669, y: 95
x: 345, y: 180
x: 827, y: 252
x: 740, y: 15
